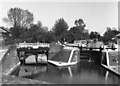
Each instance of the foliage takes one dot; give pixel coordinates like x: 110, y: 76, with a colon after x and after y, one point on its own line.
x: 94, y: 35
x: 79, y: 23
x: 68, y: 37
x: 60, y: 27
x: 18, y: 17
x: 109, y: 34
x: 50, y: 37
x: 38, y: 33
x: 23, y: 29
x: 79, y: 32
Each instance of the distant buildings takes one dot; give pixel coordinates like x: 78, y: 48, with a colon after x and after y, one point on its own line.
x: 3, y: 29
x: 1, y: 38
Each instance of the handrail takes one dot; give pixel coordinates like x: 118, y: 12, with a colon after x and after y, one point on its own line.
x: 71, y: 55
x: 101, y: 48
x: 10, y: 60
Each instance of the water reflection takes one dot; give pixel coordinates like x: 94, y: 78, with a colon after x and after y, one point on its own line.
x: 82, y: 73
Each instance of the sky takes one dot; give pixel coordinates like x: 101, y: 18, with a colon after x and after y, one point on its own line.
x: 96, y: 15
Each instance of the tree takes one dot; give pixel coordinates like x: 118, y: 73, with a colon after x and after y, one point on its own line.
x: 50, y: 37
x: 94, y: 35
x: 15, y: 32
x: 39, y: 24
x: 68, y: 37
x: 34, y: 33
x: 79, y: 23
x: 85, y: 35
x: 18, y: 17
x: 60, y: 27
x: 20, y: 20
x: 45, y: 28
x: 37, y: 33
x: 109, y: 34
x: 79, y: 30
x: 18, y: 33
x: 76, y: 32
x: 41, y: 27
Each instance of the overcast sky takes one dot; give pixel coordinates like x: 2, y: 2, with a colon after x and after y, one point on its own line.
x: 96, y: 15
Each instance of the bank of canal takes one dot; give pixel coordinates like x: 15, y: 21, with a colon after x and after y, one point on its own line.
x: 84, y: 72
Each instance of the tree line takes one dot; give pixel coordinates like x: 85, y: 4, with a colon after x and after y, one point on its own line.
x: 23, y: 29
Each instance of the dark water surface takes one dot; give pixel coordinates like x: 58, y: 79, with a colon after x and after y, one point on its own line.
x: 82, y: 73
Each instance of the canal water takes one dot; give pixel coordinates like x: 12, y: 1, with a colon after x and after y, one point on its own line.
x: 82, y: 73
